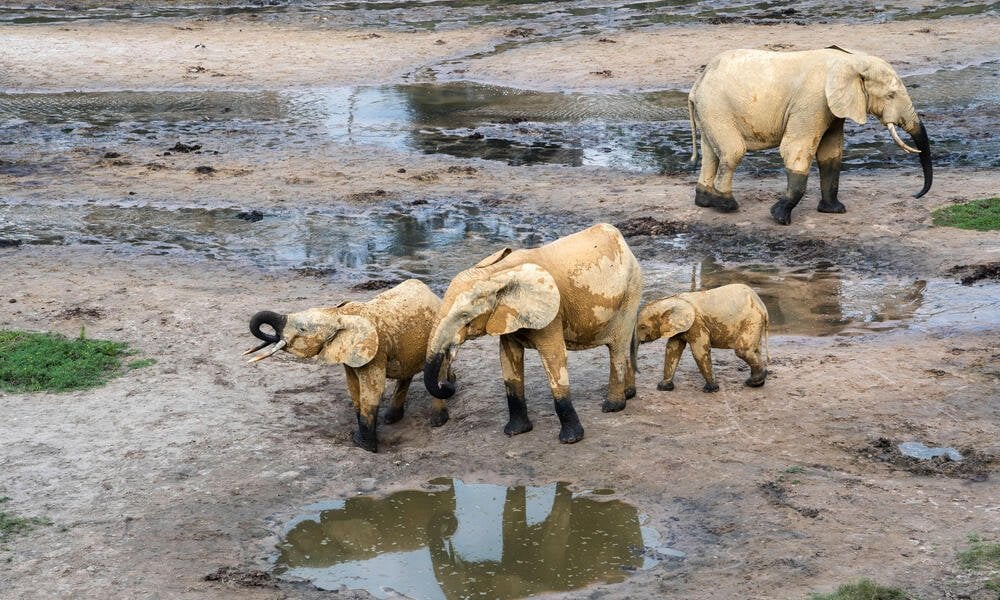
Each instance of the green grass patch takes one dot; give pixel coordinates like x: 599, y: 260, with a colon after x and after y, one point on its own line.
x: 863, y: 589
x: 980, y: 215
x: 11, y: 525
x: 35, y: 362
x: 983, y: 556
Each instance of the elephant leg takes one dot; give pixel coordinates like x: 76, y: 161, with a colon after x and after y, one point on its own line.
x: 797, y: 158
x: 512, y: 366
x: 552, y: 350
x: 369, y: 381
x: 671, y: 358
x: 620, y: 368
x: 701, y: 349
x: 828, y: 157
x: 707, y: 193
x: 753, y: 357
x: 397, y: 404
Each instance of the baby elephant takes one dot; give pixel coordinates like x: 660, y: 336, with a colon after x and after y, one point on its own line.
x: 731, y: 316
x: 384, y: 337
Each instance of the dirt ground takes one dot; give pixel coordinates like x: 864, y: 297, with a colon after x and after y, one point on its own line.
x: 174, y: 471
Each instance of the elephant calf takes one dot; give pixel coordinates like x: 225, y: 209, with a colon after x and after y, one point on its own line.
x: 384, y: 337
x: 731, y: 316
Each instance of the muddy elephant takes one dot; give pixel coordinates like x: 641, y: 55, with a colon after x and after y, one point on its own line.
x: 731, y: 316
x: 578, y: 292
x: 384, y: 337
x: 796, y: 101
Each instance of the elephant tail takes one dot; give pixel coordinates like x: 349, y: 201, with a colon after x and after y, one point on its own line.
x: 767, y: 338
x: 634, y: 350
x: 694, y: 132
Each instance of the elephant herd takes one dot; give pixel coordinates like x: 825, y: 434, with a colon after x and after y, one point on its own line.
x: 578, y: 292
x: 583, y: 291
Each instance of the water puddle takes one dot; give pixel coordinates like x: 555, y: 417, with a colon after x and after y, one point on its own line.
x: 434, y: 240
x: 637, y: 132
x: 469, y: 540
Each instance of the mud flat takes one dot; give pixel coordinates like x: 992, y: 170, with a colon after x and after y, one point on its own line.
x: 179, y: 479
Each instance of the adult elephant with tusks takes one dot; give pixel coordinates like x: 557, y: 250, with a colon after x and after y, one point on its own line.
x: 578, y: 292
x: 796, y: 101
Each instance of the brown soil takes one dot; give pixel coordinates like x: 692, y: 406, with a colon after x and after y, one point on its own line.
x: 190, y: 467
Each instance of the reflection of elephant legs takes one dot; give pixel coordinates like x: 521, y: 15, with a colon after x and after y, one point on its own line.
x: 828, y: 156
x: 397, y: 404
x: 701, y: 349
x: 715, y: 184
x: 621, y: 369
x: 366, y: 385
x: 512, y: 366
x: 675, y: 346
x: 752, y: 356
x: 552, y: 350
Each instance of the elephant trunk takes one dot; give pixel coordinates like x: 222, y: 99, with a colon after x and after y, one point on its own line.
x: 437, y: 386
x: 919, y: 135
x: 267, y: 317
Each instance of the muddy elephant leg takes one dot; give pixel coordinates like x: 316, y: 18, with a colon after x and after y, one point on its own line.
x: 512, y: 366
x: 708, y: 194
x: 828, y: 157
x: 368, y: 383
x: 552, y: 350
x: 397, y: 404
x: 671, y: 358
x: 753, y: 357
x: 620, y: 368
x: 797, y: 158
x: 701, y: 349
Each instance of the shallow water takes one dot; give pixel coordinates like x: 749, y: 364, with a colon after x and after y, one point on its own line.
x: 434, y: 240
x: 469, y: 540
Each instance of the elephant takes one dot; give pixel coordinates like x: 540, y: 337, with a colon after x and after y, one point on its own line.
x: 796, y: 101
x: 578, y: 292
x: 731, y: 316
x: 383, y: 337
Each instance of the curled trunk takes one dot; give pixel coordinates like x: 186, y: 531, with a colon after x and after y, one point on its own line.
x: 436, y: 385
x: 923, y: 144
x: 267, y: 317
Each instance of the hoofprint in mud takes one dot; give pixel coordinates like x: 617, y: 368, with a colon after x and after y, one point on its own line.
x: 177, y: 470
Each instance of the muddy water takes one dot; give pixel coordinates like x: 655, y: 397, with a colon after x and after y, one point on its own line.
x: 469, y: 540
x: 434, y: 240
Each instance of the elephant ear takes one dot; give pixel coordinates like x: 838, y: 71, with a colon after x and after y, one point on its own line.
x: 527, y: 299
x: 494, y: 258
x: 353, y: 341
x: 677, y: 317
x: 845, y: 92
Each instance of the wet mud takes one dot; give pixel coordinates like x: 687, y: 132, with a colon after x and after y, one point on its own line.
x: 975, y: 465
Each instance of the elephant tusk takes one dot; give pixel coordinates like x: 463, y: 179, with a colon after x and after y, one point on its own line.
x: 256, y: 348
x: 899, y: 142
x: 270, y: 352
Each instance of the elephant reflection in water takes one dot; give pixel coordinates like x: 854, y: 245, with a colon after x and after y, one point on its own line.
x: 816, y: 302
x: 468, y: 539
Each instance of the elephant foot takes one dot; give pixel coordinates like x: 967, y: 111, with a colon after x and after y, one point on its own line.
x: 439, y: 417
x: 570, y: 433
x: 392, y: 416
x: 630, y: 393
x: 709, y: 199
x: 516, y: 426
x: 612, y: 406
x: 365, y: 442
x: 835, y: 206
x: 755, y: 381
x: 781, y: 212
x: 665, y: 386
x: 710, y: 387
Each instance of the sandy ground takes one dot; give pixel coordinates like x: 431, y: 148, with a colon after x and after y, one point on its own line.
x: 193, y: 464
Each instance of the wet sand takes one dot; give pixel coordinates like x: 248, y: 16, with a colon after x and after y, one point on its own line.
x: 195, y: 463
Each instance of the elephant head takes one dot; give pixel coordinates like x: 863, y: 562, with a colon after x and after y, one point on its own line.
x: 664, y: 319
x: 492, y: 298
x: 331, y: 334
x: 858, y: 85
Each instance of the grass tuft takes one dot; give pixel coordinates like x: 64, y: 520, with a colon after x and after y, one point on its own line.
x: 34, y: 362
x: 11, y: 525
x: 979, y: 215
x: 863, y: 589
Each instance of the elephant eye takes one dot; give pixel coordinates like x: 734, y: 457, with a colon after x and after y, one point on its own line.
x: 890, y: 95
